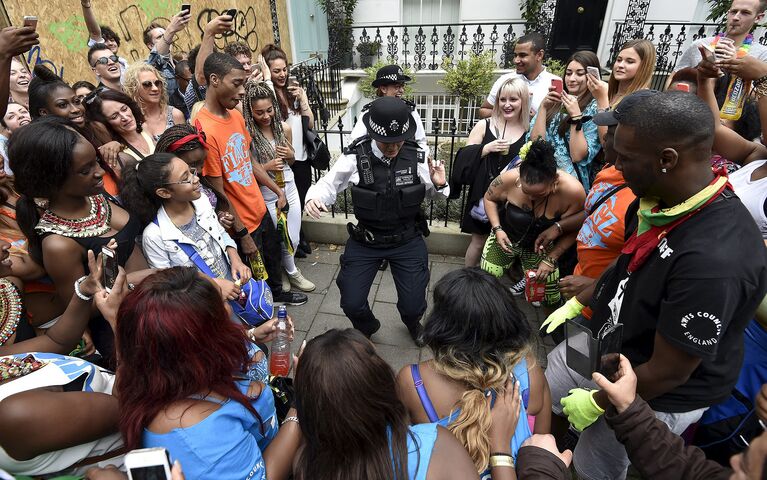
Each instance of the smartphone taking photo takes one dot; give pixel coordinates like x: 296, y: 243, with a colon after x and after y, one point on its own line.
x: 108, y: 268
x: 594, y: 71
x: 148, y: 464
x: 186, y: 8
x: 557, y: 84
x: 30, y: 21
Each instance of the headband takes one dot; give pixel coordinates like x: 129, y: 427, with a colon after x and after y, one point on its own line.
x: 199, y: 135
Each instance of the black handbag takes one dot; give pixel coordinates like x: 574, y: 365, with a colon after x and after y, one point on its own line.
x: 284, y: 395
x: 317, y: 153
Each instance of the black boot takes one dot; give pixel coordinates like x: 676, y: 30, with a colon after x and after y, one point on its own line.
x: 304, y: 247
x: 416, y: 333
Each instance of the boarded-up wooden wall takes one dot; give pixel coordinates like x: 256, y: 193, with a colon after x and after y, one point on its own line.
x: 63, y: 35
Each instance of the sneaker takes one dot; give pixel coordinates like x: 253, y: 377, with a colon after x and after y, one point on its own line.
x: 536, y: 304
x: 299, y: 253
x: 285, y: 281
x: 374, y: 330
x: 291, y: 298
x: 518, y: 288
x: 301, y: 283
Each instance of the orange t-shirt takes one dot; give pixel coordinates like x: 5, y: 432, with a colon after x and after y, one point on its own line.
x: 229, y: 157
x: 601, y: 237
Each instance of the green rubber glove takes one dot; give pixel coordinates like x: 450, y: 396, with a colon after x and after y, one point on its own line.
x: 580, y: 408
x: 569, y: 310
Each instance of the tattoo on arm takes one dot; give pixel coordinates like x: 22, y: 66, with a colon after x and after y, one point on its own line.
x: 491, y: 190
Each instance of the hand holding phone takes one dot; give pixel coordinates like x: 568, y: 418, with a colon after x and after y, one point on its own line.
x: 186, y: 8
x: 594, y: 71
x: 293, y: 81
x: 557, y: 84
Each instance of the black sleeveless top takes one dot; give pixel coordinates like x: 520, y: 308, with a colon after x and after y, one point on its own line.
x: 523, y: 227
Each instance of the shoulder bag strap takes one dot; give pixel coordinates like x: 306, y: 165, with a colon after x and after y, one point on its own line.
x: 428, y: 407
x: 604, y: 197
x: 193, y: 255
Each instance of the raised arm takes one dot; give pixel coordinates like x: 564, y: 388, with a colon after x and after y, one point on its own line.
x: 13, y: 41
x: 94, y: 29
x: 217, y: 26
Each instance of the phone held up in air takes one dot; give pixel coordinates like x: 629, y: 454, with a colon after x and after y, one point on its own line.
x: 557, y: 84
x: 232, y: 12
x: 594, y: 71
x: 186, y: 8
x: 293, y: 81
x: 148, y: 464
x: 30, y: 21
x: 108, y: 268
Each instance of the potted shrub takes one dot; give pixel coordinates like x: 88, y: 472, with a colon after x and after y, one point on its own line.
x: 340, y: 15
x: 367, y: 51
x: 469, y: 79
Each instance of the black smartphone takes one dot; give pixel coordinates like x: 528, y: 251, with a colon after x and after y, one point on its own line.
x: 186, y: 7
x: 610, y: 351
x: 232, y: 12
x: 580, y: 348
x: 108, y: 268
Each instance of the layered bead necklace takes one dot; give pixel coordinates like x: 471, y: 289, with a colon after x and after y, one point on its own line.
x: 93, y: 225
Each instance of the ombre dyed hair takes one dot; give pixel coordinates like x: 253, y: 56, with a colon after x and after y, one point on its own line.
x: 174, y: 339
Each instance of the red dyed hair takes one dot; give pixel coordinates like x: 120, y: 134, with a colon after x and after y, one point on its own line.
x: 174, y: 339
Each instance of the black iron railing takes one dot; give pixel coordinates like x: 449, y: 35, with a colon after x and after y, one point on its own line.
x: 671, y: 40
x: 444, y: 146
x: 322, y: 82
x: 424, y: 47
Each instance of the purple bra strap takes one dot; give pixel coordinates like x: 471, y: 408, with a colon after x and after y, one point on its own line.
x: 425, y: 400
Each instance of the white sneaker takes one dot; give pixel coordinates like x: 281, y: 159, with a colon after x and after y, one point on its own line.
x: 301, y: 283
x: 285, y: 278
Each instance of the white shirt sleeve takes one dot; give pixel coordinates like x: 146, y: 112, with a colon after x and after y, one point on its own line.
x: 420, y: 134
x: 154, y: 251
x: 341, y: 174
x: 358, y: 130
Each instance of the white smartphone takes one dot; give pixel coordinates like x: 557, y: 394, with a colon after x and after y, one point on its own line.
x: 108, y: 268
x: 594, y: 71
x: 148, y: 464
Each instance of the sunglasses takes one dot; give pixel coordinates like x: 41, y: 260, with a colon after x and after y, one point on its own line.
x: 147, y: 84
x: 106, y: 60
x: 91, y: 97
x: 192, y: 173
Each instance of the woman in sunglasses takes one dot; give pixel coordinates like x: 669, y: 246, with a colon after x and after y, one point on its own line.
x: 115, y: 116
x: 147, y: 87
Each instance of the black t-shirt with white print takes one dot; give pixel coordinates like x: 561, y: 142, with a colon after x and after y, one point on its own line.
x: 698, y: 290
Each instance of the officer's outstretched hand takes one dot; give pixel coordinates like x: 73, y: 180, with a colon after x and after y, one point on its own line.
x: 315, y: 207
x: 437, y: 172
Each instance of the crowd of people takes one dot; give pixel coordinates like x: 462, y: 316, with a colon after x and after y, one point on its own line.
x: 151, y: 220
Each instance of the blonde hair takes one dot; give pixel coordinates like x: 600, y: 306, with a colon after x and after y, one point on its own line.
x: 646, y: 52
x: 472, y: 425
x: 518, y: 87
x: 132, y: 86
x: 195, y: 110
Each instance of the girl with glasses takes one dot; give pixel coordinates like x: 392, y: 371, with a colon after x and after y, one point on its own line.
x: 147, y: 87
x: 165, y: 193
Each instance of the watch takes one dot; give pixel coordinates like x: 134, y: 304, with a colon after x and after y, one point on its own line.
x: 440, y: 187
x: 496, y: 228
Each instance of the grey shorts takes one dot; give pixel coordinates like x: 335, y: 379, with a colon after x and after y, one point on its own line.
x: 598, y: 455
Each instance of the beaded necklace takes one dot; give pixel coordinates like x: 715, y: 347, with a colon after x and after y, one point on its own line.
x: 94, y: 225
x: 10, y: 309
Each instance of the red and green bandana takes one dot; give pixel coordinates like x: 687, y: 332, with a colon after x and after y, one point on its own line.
x: 655, y: 222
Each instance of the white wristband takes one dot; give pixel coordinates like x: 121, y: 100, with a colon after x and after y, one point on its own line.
x: 80, y: 294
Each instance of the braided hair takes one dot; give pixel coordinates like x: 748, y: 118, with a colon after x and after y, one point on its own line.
x: 175, y: 133
x: 263, y: 148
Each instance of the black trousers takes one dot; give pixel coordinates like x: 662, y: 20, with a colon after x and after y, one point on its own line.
x: 268, y: 243
x: 302, y: 175
x: 409, y: 263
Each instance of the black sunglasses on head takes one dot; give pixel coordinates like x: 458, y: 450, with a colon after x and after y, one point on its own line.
x: 106, y: 60
x: 88, y: 99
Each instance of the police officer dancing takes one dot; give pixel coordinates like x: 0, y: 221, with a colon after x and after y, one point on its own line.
x: 389, y: 178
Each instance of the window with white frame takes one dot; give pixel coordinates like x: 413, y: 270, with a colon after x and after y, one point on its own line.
x: 430, y: 12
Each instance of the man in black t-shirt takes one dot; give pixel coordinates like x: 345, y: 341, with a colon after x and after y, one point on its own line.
x: 685, y: 292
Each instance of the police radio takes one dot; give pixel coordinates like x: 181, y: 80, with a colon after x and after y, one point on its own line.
x: 366, y: 170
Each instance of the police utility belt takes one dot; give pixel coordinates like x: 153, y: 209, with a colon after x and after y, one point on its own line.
x: 387, y: 199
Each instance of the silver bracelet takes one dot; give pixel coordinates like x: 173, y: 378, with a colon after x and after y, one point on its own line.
x: 80, y: 294
x: 290, y: 419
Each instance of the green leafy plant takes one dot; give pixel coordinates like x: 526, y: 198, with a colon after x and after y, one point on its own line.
x: 557, y: 67
x: 469, y: 78
x: 369, y: 48
x: 370, y: 92
x: 718, y: 10
x: 530, y: 11
x: 340, y: 15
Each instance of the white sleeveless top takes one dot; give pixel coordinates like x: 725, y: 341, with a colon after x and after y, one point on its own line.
x: 753, y: 194
x: 62, y: 370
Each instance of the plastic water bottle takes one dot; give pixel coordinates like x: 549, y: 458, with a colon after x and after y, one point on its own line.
x: 279, y: 358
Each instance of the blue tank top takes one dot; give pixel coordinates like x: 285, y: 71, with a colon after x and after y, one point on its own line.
x: 228, y: 443
x: 522, y: 432
x: 419, y: 449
